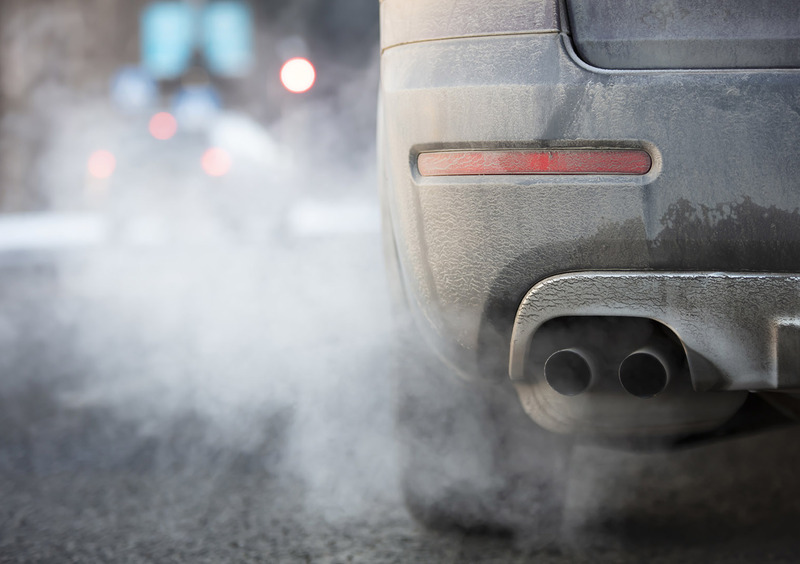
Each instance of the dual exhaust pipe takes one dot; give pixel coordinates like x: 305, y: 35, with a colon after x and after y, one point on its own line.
x: 644, y: 373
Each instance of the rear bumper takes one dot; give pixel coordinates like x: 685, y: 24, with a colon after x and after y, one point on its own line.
x: 722, y: 194
x: 739, y: 332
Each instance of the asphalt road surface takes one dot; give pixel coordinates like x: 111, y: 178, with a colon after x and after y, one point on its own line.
x: 218, y: 403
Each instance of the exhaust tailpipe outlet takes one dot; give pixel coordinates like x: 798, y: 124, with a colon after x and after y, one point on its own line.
x: 568, y: 371
x: 646, y: 372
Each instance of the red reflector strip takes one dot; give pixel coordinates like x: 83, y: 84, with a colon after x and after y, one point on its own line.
x: 553, y: 161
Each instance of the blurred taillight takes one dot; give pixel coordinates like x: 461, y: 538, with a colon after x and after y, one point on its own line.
x: 101, y: 164
x: 216, y: 162
x: 534, y: 161
x: 163, y: 126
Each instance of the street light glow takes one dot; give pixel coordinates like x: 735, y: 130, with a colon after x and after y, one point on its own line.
x: 298, y: 75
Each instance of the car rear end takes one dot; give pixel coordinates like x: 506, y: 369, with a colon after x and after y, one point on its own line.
x: 599, y: 200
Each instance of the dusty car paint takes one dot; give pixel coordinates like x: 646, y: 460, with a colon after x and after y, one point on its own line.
x: 721, y: 195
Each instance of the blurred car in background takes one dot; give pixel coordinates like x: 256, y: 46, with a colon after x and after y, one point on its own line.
x: 594, y: 204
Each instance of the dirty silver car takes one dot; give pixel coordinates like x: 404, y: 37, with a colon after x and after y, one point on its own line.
x: 593, y: 204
